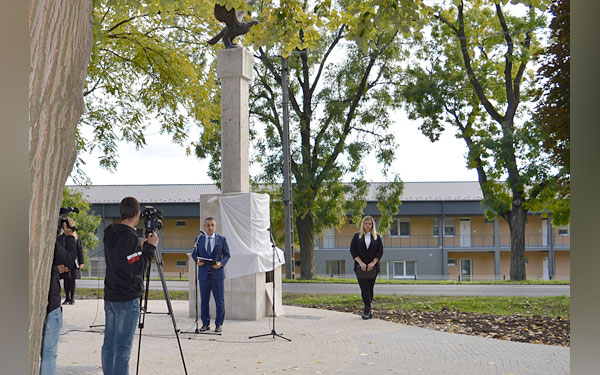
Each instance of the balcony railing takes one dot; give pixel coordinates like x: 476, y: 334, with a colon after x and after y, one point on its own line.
x: 472, y: 241
x: 419, y: 241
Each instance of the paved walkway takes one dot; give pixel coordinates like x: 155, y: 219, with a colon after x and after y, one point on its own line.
x: 323, y: 342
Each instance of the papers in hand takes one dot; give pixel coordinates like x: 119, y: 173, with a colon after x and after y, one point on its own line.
x: 207, y: 260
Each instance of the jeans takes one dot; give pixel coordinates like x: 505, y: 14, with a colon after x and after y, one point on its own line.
x: 121, y: 322
x: 52, y: 326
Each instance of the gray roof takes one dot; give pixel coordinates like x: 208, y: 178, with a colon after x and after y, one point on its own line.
x: 176, y: 193
x: 190, y: 193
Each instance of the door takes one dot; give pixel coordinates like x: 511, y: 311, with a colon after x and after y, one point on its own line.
x: 545, y: 269
x: 466, y: 270
x: 545, y: 232
x: 329, y: 238
x: 465, y: 232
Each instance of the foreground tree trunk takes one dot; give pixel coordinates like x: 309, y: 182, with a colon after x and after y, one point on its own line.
x: 305, y: 226
x: 61, y: 40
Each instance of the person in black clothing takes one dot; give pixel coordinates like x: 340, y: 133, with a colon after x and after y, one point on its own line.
x: 53, y: 320
x: 366, y: 249
x: 75, y: 259
x: 126, y: 260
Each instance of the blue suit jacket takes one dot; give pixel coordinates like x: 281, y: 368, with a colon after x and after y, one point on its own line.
x: 219, y: 253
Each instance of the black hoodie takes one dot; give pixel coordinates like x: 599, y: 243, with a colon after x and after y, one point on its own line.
x: 60, y: 257
x: 125, y: 263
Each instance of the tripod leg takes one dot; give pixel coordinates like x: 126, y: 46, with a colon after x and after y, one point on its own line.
x: 169, y: 306
x: 142, y: 319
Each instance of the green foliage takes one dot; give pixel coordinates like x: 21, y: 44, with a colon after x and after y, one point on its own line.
x: 339, y: 107
x: 475, y: 76
x: 553, y: 109
x: 149, y: 62
x: 87, y: 224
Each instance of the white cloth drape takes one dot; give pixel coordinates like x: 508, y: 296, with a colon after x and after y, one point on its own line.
x: 245, y: 222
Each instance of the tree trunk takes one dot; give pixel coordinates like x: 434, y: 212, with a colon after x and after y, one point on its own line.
x: 305, y: 226
x: 516, y: 222
x: 61, y: 40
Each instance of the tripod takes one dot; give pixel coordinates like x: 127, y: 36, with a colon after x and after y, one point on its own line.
x: 197, y: 331
x: 144, y: 309
x: 273, y: 332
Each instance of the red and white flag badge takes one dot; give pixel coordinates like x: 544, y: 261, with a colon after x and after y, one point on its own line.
x: 134, y: 257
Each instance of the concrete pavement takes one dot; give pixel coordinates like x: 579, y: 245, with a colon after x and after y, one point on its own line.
x: 323, y: 342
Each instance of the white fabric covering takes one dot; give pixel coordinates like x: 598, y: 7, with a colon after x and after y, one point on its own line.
x: 245, y: 221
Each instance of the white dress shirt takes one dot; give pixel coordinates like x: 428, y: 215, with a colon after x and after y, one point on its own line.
x: 368, y: 239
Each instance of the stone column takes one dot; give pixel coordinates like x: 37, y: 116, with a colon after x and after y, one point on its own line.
x: 234, y: 69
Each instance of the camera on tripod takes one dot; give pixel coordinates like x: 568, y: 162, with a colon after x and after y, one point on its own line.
x: 63, y: 219
x: 152, y: 220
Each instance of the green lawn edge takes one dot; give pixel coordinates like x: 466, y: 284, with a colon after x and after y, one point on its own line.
x: 328, y: 280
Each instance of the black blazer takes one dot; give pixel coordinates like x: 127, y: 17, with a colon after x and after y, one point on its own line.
x: 358, y: 248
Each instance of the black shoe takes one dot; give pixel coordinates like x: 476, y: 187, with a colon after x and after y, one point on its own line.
x: 218, y: 329
x: 71, y: 302
x: 365, y: 316
x: 66, y: 302
x: 205, y: 327
x: 370, y: 315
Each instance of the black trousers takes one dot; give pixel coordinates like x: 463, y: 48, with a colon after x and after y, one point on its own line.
x: 69, y: 288
x: 366, y: 292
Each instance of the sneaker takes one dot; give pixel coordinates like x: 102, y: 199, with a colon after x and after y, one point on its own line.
x: 218, y: 329
x: 205, y: 327
x: 71, y: 302
x: 66, y: 302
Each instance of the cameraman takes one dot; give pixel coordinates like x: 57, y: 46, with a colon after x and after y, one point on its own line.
x: 72, y: 244
x: 53, y: 321
x: 126, y: 260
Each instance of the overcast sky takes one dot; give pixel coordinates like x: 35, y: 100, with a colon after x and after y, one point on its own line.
x: 163, y: 162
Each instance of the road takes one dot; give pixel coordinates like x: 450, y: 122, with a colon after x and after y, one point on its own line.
x: 398, y: 289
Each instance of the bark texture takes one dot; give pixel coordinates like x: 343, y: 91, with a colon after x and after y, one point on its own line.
x: 61, y: 39
x: 305, y: 226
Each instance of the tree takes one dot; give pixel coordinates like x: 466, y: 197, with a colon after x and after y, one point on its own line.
x: 149, y: 61
x: 339, y: 107
x: 473, y: 77
x: 552, y: 112
x: 61, y: 39
x: 86, y: 223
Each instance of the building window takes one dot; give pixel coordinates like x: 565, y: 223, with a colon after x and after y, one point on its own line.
x: 405, y: 269
x: 335, y: 267
x: 180, y: 223
x: 436, y: 226
x: 449, y: 227
x: 564, y: 230
x: 180, y: 263
x: 451, y: 262
x: 400, y: 228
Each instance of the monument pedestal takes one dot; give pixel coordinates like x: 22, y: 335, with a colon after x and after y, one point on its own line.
x: 247, y: 297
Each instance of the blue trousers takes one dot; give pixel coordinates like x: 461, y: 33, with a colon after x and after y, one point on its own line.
x: 52, y: 326
x: 217, y: 287
x: 121, y: 322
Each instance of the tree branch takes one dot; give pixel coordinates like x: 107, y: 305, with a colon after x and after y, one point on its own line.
x: 336, y: 40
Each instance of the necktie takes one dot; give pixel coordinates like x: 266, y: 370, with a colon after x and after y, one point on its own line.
x: 208, y: 247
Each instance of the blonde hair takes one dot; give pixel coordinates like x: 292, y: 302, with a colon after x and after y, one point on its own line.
x: 361, y: 232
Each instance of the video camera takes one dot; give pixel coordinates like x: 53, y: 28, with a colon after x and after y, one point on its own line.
x: 152, y: 219
x: 61, y: 220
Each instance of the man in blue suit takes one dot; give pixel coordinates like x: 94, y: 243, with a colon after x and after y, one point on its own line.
x: 211, y: 253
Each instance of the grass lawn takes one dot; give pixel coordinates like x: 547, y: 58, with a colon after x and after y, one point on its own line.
x: 329, y: 280
x: 524, y: 306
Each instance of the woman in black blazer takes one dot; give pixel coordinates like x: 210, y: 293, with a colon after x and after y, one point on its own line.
x: 366, y: 249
